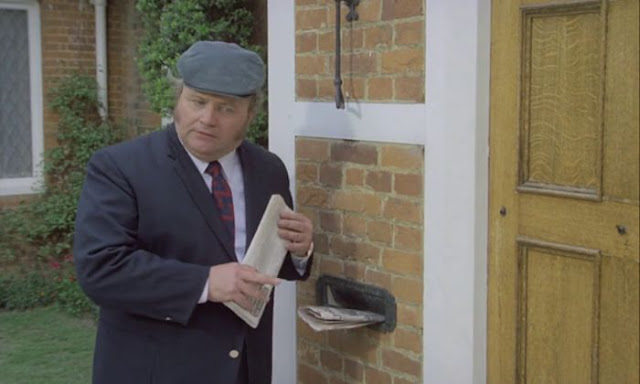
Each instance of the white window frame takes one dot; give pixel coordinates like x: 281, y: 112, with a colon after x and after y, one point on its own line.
x: 27, y: 185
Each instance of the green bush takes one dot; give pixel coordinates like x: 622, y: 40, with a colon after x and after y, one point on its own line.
x: 36, y: 236
x: 45, y: 224
x: 45, y: 285
x: 170, y: 27
x: 24, y: 291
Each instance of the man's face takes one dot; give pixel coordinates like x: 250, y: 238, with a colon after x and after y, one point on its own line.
x: 210, y: 126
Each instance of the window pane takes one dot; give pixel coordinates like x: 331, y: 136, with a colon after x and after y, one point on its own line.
x: 15, y: 103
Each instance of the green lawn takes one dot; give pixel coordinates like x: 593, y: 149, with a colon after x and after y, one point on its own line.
x: 45, y: 346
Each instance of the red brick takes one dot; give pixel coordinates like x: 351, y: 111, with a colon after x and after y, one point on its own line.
x: 408, y: 290
x: 399, y: 362
x: 331, y: 175
x: 367, y: 253
x: 312, y: 196
x: 379, y: 181
x: 355, y: 176
x: 408, y: 184
x: 331, y: 222
x: 398, y: 9
x: 311, y: 149
x: 352, y: 39
x: 408, y: 340
x: 327, y: 42
x: 380, y: 232
x: 306, y: 88
x: 378, y: 278
x: 307, y: 352
x: 353, y: 88
x: 409, y: 89
x: 354, y: 270
x: 409, y: 33
x: 409, y: 315
x: 311, y: 19
x: 354, y: 226
x: 353, y: 344
x: 353, y: 201
x: 402, y: 210
x: 373, y: 375
x: 369, y: 10
x: 408, y: 263
x: 404, y: 60
x: 331, y: 266
x: 380, y: 88
x: 310, y: 375
x: 321, y: 243
x: 342, y: 248
x: 338, y: 380
x: 359, y: 63
x: 354, y: 370
x: 331, y: 361
x: 408, y: 238
x: 306, y: 172
x: 378, y: 36
x: 407, y: 157
x: 354, y: 152
x: 306, y: 42
x: 311, y: 65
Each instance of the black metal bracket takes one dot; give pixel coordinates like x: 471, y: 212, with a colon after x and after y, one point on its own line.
x: 347, y: 293
x: 351, y: 16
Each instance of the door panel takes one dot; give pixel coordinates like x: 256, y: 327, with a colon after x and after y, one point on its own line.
x: 564, y: 202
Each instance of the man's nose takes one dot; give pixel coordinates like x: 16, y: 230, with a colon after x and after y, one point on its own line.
x: 209, y: 115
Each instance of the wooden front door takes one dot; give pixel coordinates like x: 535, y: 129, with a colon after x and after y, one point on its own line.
x: 564, y: 193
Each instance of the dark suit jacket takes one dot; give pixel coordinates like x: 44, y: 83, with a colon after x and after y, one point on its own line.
x: 147, y: 231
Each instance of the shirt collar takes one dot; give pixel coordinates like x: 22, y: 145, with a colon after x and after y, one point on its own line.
x: 229, y: 162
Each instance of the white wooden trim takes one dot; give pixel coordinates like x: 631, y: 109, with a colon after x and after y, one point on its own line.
x: 457, y: 80
x: 453, y: 126
x: 19, y: 186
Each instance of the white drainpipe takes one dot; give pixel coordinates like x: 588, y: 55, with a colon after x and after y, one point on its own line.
x: 101, y: 54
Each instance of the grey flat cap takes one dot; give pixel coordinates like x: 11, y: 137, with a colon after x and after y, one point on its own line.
x: 221, y: 68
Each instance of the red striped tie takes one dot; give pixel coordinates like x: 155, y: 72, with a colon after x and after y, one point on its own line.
x: 222, y: 195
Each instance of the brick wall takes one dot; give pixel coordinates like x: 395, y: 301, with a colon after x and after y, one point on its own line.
x: 68, y: 47
x: 366, y: 202
x: 382, y: 52
x: 127, y: 103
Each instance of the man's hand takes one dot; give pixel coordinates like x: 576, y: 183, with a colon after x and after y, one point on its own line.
x: 297, y: 230
x: 238, y: 283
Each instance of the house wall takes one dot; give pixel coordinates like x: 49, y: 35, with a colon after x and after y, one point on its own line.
x: 366, y: 201
x: 365, y: 197
x: 68, y: 47
x: 452, y: 127
x: 382, y: 52
x: 127, y: 103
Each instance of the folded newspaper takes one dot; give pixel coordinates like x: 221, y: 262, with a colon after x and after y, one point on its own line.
x: 327, y: 318
x: 266, y: 254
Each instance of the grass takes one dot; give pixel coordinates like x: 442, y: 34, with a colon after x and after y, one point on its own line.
x: 45, y: 346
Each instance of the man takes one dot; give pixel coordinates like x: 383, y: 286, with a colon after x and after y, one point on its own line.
x: 158, y: 240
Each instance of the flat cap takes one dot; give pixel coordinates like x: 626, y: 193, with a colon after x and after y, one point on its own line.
x: 221, y: 68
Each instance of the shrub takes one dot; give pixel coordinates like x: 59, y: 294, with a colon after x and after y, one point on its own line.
x: 45, y: 224
x: 37, y: 235
x: 24, y: 291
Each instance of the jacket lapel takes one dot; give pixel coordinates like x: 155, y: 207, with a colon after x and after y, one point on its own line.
x: 252, y: 193
x: 192, y: 181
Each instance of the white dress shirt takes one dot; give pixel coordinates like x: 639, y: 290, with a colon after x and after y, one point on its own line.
x: 232, y: 172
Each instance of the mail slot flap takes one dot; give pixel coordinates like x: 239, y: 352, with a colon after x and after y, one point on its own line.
x: 347, y: 293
